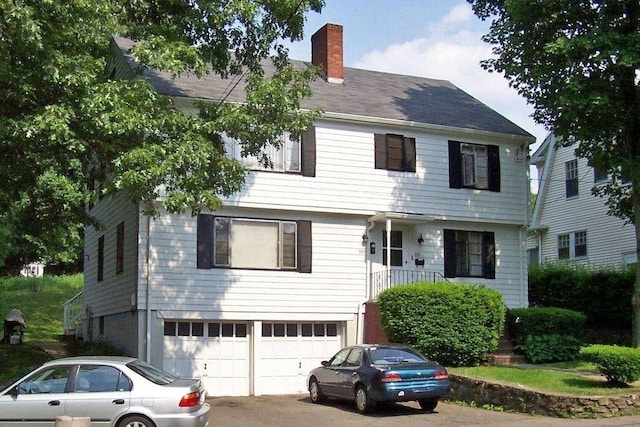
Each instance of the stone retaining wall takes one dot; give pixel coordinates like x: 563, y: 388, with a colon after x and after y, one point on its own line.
x: 480, y: 393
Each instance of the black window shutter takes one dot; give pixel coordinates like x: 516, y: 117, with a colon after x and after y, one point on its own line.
x: 304, y: 246
x: 455, y: 165
x: 493, y: 158
x: 488, y: 255
x: 410, y: 153
x: 380, y: 151
x: 449, y: 253
x: 205, y: 241
x: 308, y: 166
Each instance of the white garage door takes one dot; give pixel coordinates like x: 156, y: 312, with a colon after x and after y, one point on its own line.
x: 288, y: 351
x: 217, y: 352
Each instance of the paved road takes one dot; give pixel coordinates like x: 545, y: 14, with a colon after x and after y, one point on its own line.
x: 297, y: 410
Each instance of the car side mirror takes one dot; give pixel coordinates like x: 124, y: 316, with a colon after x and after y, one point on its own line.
x: 324, y: 363
x: 14, y: 391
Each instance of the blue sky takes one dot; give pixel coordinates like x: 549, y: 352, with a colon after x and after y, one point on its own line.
x: 438, y: 39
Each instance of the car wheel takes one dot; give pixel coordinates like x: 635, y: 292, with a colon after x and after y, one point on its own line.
x: 136, y: 421
x: 364, y: 404
x: 428, y: 404
x: 315, y: 393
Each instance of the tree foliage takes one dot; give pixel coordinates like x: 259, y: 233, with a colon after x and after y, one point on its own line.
x: 65, y: 124
x: 577, y: 61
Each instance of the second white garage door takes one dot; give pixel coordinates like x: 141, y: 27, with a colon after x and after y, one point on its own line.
x: 288, y: 351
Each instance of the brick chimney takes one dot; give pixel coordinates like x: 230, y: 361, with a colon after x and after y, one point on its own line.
x: 326, y: 52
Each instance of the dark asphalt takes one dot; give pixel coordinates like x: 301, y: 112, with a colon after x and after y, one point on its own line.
x: 297, y: 410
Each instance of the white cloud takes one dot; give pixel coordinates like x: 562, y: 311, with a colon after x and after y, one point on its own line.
x: 452, y: 53
x: 460, y: 13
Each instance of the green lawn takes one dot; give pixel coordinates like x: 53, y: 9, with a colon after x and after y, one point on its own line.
x: 41, y: 300
x: 576, y: 378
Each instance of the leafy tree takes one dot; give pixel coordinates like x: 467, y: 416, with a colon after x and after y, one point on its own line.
x: 65, y: 124
x: 577, y: 61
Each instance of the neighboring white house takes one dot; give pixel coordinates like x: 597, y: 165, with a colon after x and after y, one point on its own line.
x: 569, y: 223
x: 251, y: 297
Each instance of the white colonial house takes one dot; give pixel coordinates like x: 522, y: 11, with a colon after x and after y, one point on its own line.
x: 570, y: 224
x: 401, y: 179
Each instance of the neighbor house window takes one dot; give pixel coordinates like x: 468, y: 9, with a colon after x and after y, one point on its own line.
x: 469, y: 254
x: 474, y: 166
x: 599, y: 176
x: 563, y: 246
x: 396, y: 248
x: 571, y: 178
x: 100, y: 258
x: 572, y: 245
x: 580, y: 244
x: 120, y: 248
x: 254, y: 243
x: 395, y: 152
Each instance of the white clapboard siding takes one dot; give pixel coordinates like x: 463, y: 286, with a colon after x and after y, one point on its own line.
x: 608, y: 238
x: 346, y: 180
x: 114, y: 293
x: 336, y: 285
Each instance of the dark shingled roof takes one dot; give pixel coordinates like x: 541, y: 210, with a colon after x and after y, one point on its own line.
x: 363, y: 93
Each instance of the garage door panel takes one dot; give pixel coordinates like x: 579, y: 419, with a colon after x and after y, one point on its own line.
x: 213, y: 352
x: 286, y: 360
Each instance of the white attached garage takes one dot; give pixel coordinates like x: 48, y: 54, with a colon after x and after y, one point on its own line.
x: 244, y: 358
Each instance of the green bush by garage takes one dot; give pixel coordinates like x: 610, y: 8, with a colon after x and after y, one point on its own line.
x: 454, y: 324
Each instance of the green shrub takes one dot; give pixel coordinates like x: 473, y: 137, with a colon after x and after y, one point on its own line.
x: 603, y: 295
x: 617, y: 364
x: 546, y: 334
x: 549, y: 348
x: 455, y: 324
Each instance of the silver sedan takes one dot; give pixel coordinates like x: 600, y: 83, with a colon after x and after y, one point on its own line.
x: 112, y: 391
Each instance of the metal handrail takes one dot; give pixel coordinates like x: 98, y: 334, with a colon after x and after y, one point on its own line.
x: 385, y: 279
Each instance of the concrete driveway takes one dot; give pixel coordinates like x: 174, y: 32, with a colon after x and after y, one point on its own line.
x: 297, y: 410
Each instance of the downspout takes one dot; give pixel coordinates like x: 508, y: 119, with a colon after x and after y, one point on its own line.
x: 148, y: 292
x: 524, y: 300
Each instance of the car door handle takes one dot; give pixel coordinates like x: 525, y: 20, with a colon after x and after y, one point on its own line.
x: 118, y: 402
x: 54, y: 403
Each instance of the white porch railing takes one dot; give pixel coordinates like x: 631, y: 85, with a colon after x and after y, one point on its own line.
x: 73, y: 314
x: 386, y: 279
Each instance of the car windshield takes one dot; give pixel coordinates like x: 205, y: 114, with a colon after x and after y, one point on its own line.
x: 152, y: 373
x: 389, y: 356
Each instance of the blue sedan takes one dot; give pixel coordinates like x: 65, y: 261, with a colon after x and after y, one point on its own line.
x: 368, y: 374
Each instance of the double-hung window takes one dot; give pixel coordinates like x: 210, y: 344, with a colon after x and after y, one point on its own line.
x: 282, y: 158
x: 469, y: 254
x: 474, y: 166
x: 291, y: 155
x: 572, y: 245
x: 395, y: 152
x: 571, y: 178
x: 248, y: 243
x: 251, y: 243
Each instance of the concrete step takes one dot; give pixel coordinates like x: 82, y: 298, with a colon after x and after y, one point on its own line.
x: 506, y: 359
